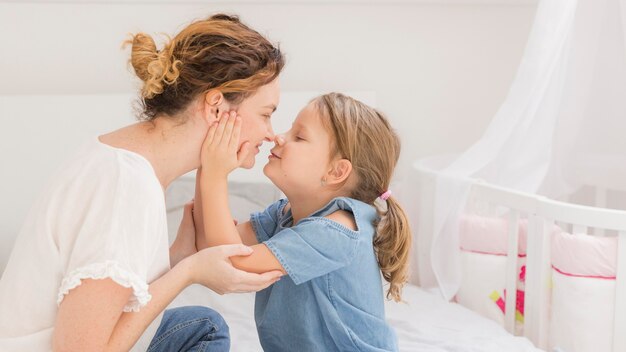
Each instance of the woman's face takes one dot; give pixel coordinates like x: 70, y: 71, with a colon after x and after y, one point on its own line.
x: 256, y: 112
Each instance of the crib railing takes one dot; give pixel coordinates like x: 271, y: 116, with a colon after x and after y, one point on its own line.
x: 582, y: 218
x: 517, y: 204
x: 543, y: 214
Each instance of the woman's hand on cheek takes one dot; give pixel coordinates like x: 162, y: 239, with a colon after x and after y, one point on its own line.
x: 212, y: 268
x: 185, y: 243
x: 220, y: 151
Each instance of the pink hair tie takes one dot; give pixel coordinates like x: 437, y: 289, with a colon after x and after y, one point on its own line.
x: 385, y: 195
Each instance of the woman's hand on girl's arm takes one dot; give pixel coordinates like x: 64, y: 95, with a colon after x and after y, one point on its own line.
x: 261, y: 260
x: 225, y: 278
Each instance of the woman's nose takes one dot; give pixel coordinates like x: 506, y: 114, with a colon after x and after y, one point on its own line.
x: 270, y: 136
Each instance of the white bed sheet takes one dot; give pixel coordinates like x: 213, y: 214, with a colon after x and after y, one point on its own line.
x: 424, y: 323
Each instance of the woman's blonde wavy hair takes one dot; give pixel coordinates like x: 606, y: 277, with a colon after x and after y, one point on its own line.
x: 363, y: 136
x: 218, y: 52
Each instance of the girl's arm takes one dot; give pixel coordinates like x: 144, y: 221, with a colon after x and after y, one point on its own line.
x: 90, y: 317
x: 223, y: 231
x: 198, y: 220
x: 246, y: 232
x: 263, y: 259
x: 220, y: 155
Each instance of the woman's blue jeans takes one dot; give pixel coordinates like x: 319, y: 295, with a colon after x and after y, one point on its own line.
x: 191, y: 329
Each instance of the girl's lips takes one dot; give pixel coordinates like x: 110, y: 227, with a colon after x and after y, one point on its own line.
x: 272, y: 155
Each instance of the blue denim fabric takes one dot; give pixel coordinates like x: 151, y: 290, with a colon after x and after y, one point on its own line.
x: 191, y: 329
x: 333, y: 298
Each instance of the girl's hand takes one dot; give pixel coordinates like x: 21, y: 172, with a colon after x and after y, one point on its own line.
x: 220, y: 151
x: 212, y: 268
x: 185, y: 243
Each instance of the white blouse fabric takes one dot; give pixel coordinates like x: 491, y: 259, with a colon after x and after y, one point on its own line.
x: 101, y: 216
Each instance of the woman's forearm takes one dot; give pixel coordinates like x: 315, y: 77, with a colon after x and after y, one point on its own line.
x: 163, y: 290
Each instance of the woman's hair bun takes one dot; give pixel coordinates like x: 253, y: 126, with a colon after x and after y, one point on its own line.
x: 155, y: 68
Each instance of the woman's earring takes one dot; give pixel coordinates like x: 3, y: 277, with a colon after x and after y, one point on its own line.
x: 323, y: 182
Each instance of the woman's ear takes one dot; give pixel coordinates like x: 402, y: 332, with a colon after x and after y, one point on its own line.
x: 214, y: 97
x: 215, y: 103
x: 339, y: 171
x: 212, y: 100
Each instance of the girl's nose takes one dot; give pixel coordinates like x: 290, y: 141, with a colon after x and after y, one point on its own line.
x: 279, y: 139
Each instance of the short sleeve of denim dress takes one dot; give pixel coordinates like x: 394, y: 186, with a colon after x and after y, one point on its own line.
x: 313, y: 247
x: 332, y: 299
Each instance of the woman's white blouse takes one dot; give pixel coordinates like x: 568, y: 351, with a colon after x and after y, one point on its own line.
x: 101, y: 216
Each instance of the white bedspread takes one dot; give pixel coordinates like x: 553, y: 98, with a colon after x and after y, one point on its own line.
x: 424, y: 323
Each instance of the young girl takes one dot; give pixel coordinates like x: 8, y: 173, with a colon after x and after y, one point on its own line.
x: 338, y: 229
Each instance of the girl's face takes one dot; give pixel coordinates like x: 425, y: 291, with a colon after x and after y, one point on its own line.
x: 301, y: 157
x: 256, y: 112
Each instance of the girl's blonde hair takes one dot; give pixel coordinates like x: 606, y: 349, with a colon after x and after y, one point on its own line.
x: 218, y: 52
x: 363, y: 136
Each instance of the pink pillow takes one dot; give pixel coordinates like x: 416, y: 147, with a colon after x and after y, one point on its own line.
x: 584, y: 255
x: 489, y: 235
x: 575, y: 255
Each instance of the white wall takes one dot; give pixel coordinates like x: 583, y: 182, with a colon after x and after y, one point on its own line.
x: 439, y: 69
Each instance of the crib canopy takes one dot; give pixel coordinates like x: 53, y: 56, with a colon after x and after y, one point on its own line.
x: 560, y: 127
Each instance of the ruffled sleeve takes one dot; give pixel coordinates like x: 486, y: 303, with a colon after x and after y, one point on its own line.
x: 112, y: 270
x: 112, y: 229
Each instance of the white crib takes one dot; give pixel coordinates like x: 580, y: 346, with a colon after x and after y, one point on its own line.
x: 541, y: 215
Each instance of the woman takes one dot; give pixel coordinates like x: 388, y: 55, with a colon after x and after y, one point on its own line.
x: 90, y: 270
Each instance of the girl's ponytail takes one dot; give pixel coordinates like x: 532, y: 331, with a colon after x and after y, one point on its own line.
x: 392, y: 245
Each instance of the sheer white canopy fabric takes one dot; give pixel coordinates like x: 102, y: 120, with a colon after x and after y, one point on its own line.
x: 561, y: 126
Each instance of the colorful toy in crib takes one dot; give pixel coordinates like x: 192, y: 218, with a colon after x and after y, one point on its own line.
x: 519, y: 301
x: 519, y: 306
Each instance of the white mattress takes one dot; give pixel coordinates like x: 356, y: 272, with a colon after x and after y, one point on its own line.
x: 425, y: 323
